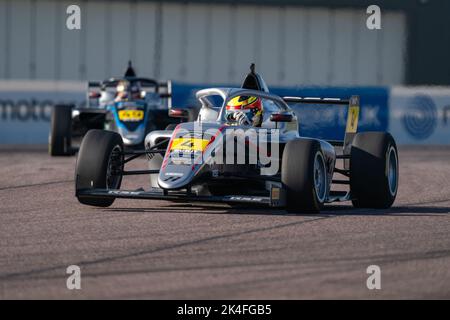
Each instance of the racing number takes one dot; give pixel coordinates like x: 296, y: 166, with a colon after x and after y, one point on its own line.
x: 190, y: 144
x: 187, y: 144
x: 131, y: 115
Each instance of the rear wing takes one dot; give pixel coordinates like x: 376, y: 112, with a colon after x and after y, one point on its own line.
x: 352, y: 116
x: 93, y: 93
x: 165, y: 92
x: 165, y: 89
x: 106, y: 90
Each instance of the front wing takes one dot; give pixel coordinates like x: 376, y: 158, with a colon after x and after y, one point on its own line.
x: 275, y: 199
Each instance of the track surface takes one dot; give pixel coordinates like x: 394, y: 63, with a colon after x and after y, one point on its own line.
x: 157, y: 249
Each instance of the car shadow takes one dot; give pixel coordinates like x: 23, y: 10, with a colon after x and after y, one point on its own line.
x: 327, y: 211
x: 401, y: 210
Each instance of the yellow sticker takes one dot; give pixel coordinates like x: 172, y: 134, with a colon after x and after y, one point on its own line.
x: 191, y: 144
x: 131, y: 115
x: 352, y: 120
x: 275, y: 193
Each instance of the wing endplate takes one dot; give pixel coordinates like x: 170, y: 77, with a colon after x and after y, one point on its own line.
x: 351, y: 127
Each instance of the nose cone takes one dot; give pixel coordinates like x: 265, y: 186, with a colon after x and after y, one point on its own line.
x: 189, y: 150
x: 134, y: 137
x: 175, y: 176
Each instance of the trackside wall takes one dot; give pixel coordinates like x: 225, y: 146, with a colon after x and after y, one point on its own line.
x: 414, y: 115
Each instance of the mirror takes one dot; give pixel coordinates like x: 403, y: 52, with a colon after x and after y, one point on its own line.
x: 94, y: 95
x: 178, y: 113
x: 281, y: 117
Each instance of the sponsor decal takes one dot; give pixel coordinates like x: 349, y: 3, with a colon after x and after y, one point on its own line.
x: 238, y: 198
x: 131, y: 115
x: 352, y: 124
x: 420, y: 118
x: 174, y: 174
x: 24, y: 110
x: 420, y: 115
x: 125, y: 193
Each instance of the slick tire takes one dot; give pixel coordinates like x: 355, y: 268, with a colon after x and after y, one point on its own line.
x: 99, y: 165
x: 60, y: 137
x: 304, y: 176
x: 373, y: 170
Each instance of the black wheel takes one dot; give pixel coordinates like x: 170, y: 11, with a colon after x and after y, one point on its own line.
x: 304, y: 175
x: 373, y: 170
x: 99, y: 165
x: 60, y: 137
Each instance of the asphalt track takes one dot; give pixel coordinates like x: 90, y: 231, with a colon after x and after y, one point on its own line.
x: 162, y: 250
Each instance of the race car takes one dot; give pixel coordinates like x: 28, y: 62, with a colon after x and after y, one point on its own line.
x: 266, y: 162
x: 130, y: 105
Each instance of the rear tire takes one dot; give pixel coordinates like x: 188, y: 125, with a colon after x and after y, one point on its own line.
x: 373, y: 170
x: 99, y: 157
x: 304, y: 176
x: 60, y: 137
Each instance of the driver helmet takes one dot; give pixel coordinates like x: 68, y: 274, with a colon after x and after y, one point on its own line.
x: 249, y: 105
x: 125, y: 90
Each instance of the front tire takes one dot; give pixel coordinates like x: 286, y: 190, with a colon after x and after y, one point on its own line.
x: 304, y: 175
x: 373, y: 170
x: 60, y: 137
x: 99, y: 165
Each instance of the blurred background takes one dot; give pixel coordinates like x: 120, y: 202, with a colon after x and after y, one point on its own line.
x: 300, y: 47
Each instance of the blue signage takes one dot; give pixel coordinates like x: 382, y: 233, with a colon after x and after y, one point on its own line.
x: 320, y: 121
